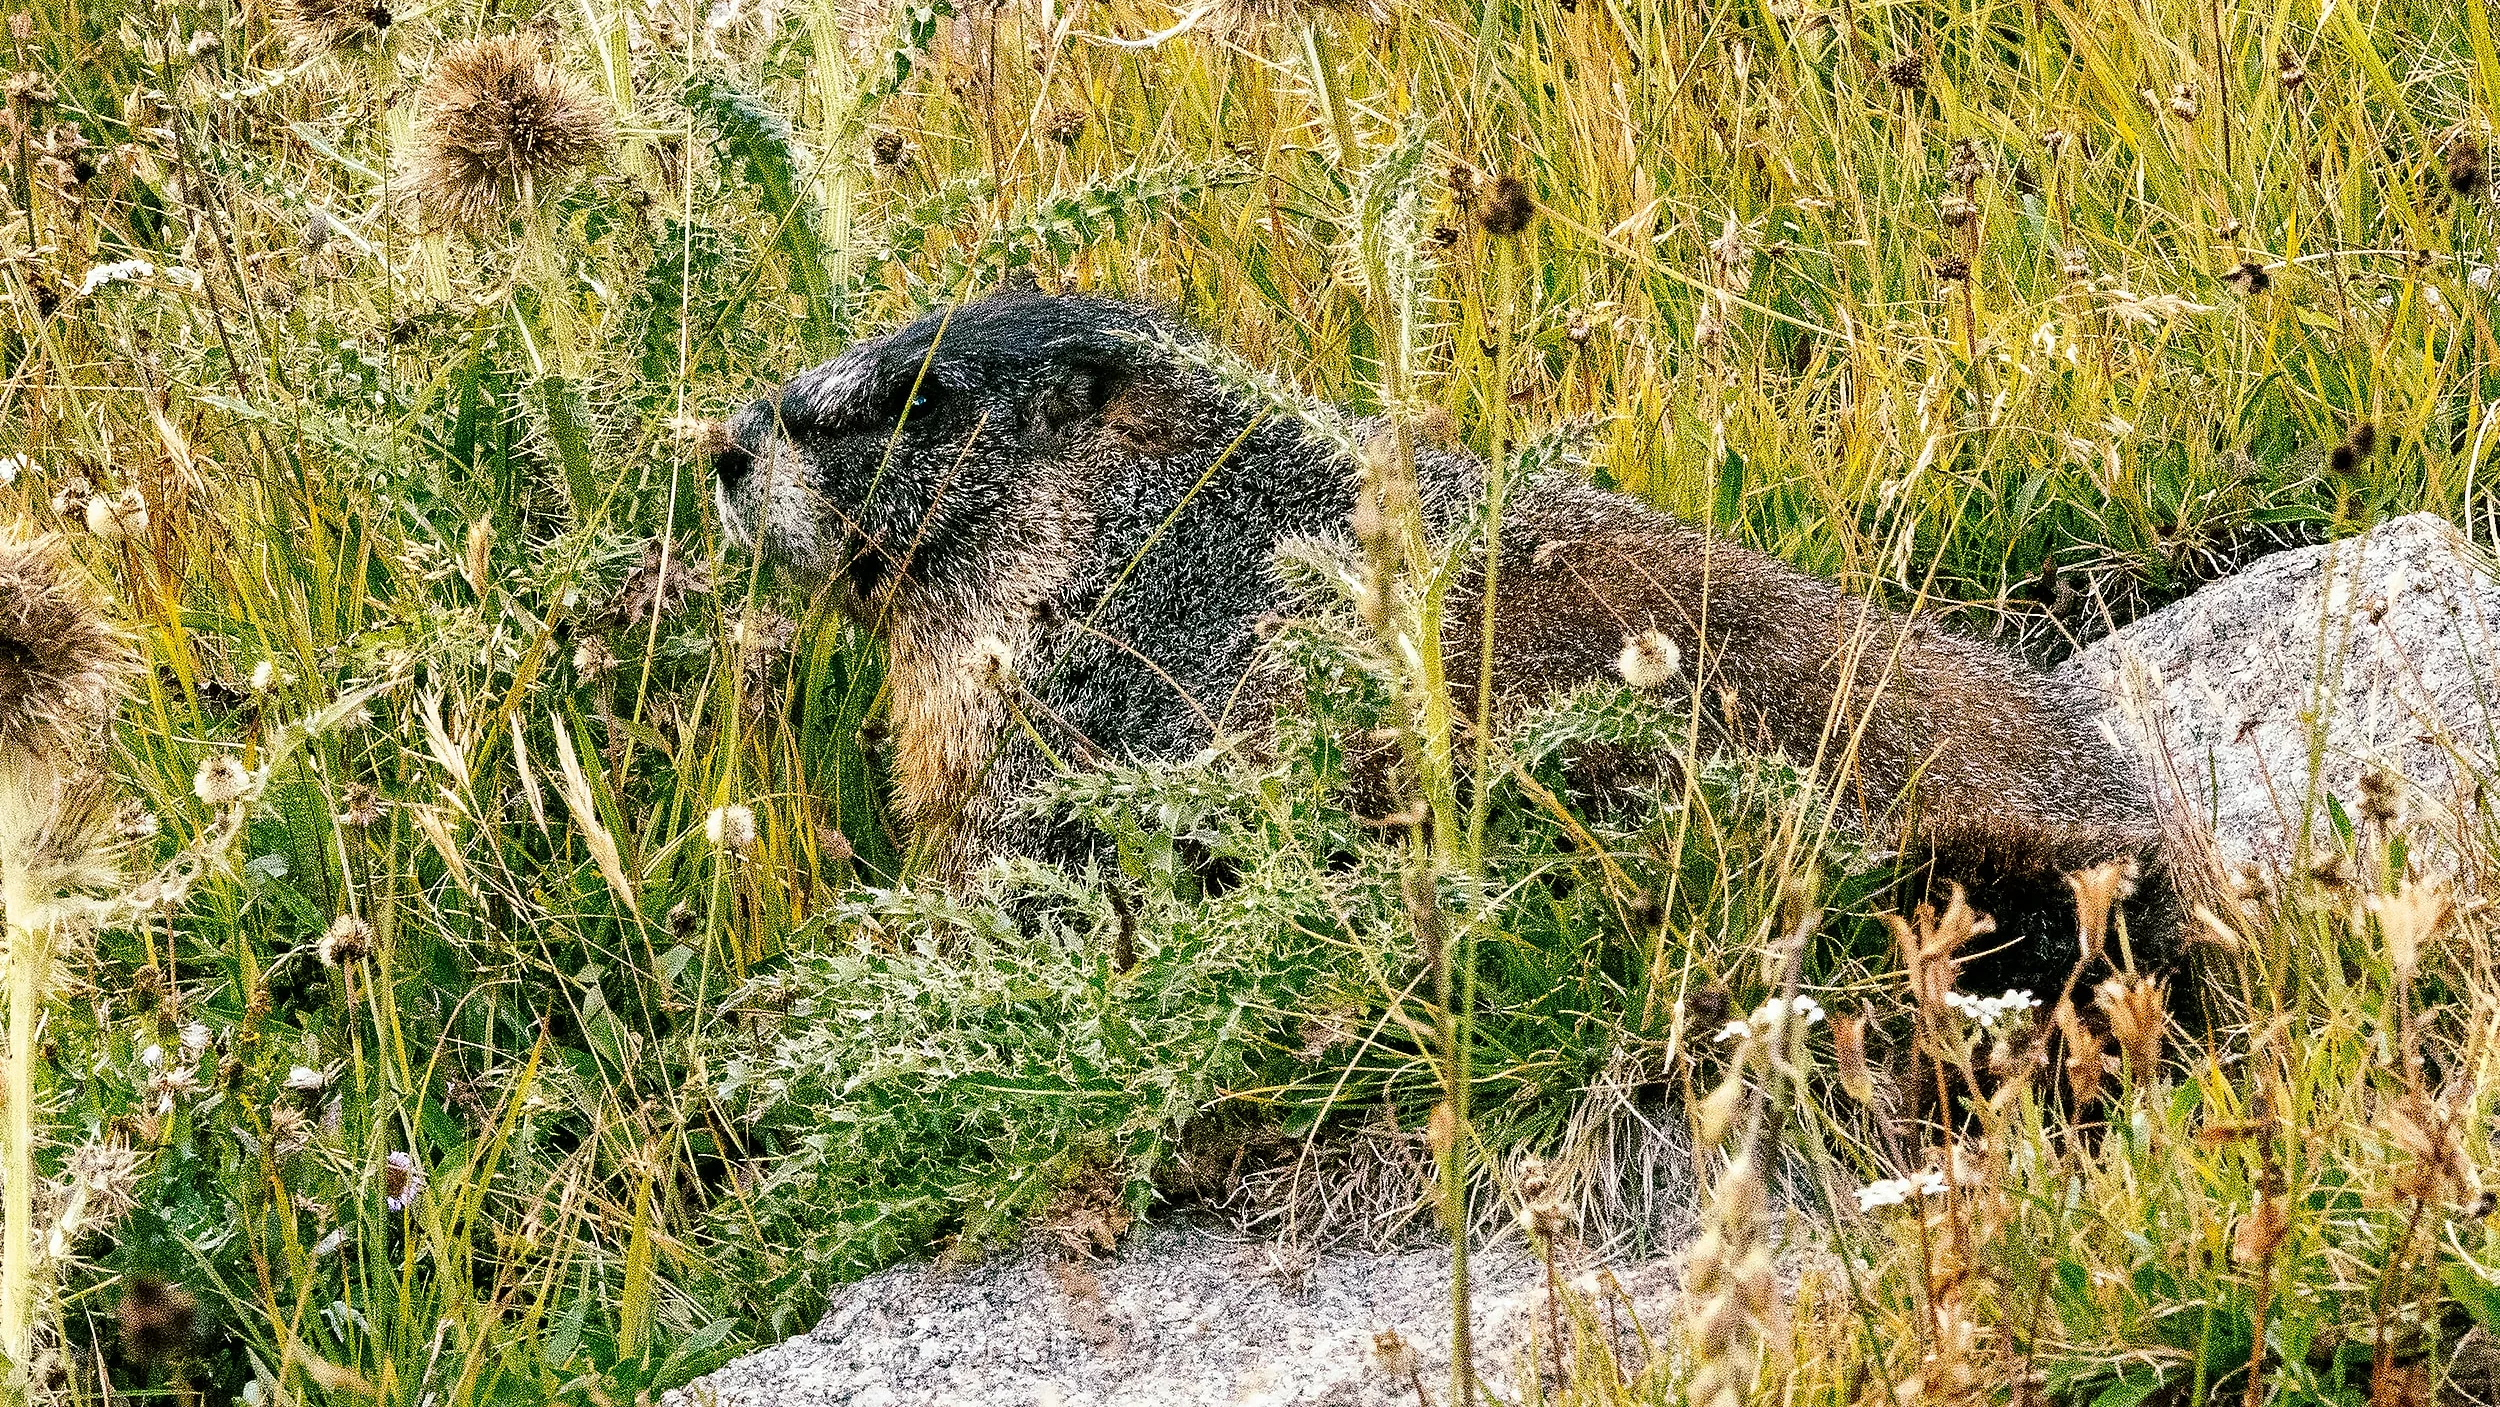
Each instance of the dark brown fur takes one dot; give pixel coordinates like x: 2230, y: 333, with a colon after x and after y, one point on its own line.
x: 1064, y: 535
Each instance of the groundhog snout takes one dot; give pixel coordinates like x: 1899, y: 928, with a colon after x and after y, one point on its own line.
x: 731, y: 468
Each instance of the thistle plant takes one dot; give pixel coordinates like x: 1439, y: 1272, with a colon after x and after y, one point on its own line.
x: 63, y: 669
x: 499, y: 127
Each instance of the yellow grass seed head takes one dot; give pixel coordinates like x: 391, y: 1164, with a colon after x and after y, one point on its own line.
x: 2138, y: 1011
x: 2411, y: 917
x: 2098, y: 892
x: 1849, y: 1057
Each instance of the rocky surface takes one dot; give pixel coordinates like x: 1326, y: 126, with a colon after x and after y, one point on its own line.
x: 2390, y: 640
x: 1184, y: 1316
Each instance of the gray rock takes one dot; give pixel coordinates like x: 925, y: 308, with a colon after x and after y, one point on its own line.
x: 2257, y: 698
x: 1183, y: 1315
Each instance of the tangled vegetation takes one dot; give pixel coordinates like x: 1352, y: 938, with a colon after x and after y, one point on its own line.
x: 471, y: 962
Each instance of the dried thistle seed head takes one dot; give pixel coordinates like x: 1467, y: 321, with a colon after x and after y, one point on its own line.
x: 495, y: 124
x: 730, y: 828
x: 2084, y: 1066
x: 2382, y: 797
x: 1957, y: 210
x: 593, y: 660
x: 2288, y: 70
x: 63, y: 667
x: 1466, y: 184
x: 1649, y: 660
x: 1928, y: 941
x: 1952, y: 268
x: 1966, y: 167
x: 360, y: 806
x: 155, y: 1318
x: 2261, y: 1231
x: 1397, y: 1357
x: 222, y: 780
x: 1719, y: 1109
x: 2425, y: 1131
x: 402, y: 1180
x: 2250, y: 278
x: 886, y: 148
x: 1508, y: 209
x: 2075, y: 265
x: 1908, y: 72
x: 347, y: 939
x: 1065, y: 126
x: 2183, y: 104
x: 315, y: 27
x: 1534, y: 1181
x: 1731, y: 256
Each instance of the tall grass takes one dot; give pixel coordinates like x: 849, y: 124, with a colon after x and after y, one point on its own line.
x: 2040, y: 314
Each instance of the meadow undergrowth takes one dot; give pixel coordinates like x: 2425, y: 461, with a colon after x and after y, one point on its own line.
x: 495, y: 976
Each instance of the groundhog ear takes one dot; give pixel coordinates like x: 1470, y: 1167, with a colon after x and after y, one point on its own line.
x: 1070, y: 396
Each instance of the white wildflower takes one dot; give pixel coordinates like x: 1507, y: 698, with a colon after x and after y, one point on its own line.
x: 116, y: 272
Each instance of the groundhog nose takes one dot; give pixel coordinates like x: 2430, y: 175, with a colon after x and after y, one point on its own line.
x: 731, y: 467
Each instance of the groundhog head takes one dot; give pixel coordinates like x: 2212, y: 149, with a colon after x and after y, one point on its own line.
x: 904, y: 456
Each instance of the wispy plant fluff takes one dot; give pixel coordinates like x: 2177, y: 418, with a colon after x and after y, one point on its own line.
x: 63, y: 668
x: 497, y: 125
x: 315, y: 27
x: 63, y: 665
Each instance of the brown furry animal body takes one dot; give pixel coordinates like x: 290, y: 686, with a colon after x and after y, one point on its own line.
x: 1065, y: 536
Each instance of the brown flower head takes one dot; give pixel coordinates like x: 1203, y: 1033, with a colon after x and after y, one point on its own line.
x: 1908, y: 72
x: 314, y: 27
x: 658, y: 584
x: 2260, y: 1233
x: 1509, y: 209
x: 2465, y: 164
x: 156, y: 1318
x: 496, y: 123
x: 63, y: 666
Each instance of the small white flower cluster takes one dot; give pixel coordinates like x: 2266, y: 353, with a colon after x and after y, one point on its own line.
x: 1988, y: 1011
x: 1768, y: 1018
x: 1897, y: 1191
x: 115, y: 272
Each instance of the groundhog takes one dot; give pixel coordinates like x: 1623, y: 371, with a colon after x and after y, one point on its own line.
x: 1065, y: 537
